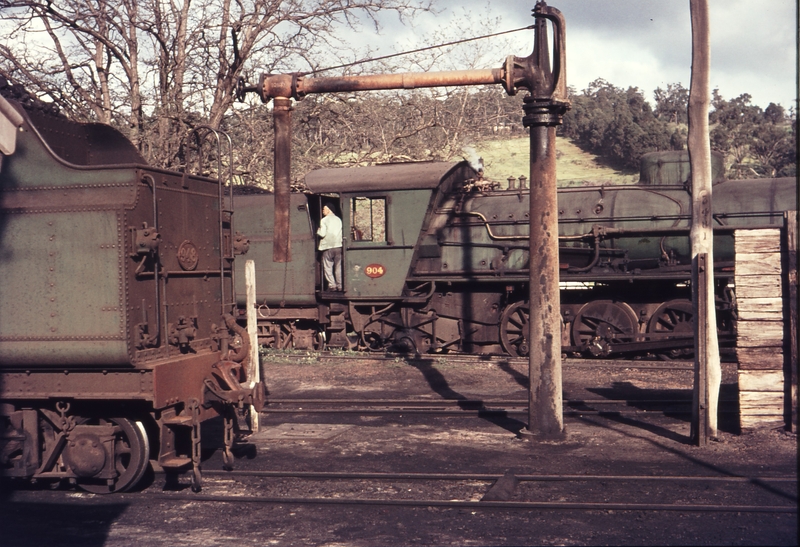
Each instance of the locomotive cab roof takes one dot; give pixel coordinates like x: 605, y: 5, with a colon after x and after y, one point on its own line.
x: 392, y: 176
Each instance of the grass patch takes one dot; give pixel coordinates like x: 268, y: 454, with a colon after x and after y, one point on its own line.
x: 574, y: 167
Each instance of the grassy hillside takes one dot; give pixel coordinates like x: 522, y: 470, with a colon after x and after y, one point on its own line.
x: 505, y: 158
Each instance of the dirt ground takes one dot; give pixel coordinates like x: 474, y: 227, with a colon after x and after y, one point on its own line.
x: 628, y: 441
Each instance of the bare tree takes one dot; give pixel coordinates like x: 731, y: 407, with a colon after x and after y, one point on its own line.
x: 157, y: 68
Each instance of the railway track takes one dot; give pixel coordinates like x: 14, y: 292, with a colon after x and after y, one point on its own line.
x: 473, y: 491
x: 461, y: 407
x: 463, y: 358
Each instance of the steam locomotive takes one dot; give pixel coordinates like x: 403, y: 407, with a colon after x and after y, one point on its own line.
x: 117, y: 330
x: 436, y: 260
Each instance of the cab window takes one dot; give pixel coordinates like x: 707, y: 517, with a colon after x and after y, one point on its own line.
x: 368, y: 216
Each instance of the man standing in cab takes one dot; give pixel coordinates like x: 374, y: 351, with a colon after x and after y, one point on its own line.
x: 330, y: 230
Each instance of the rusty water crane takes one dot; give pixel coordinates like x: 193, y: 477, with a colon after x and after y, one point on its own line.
x: 543, y: 108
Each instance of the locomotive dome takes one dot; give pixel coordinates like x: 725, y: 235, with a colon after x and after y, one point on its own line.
x: 672, y: 168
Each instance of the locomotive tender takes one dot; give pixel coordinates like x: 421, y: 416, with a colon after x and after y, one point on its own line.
x: 117, y: 334
x: 436, y: 259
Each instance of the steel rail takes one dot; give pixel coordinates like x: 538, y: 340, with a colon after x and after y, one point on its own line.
x: 495, y: 476
x: 526, y: 505
x: 458, y: 358
x: 476, y: 402
x: 473, y: 412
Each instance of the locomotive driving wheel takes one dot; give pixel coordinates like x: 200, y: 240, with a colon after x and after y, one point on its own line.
x: 675, y: 317
x: 603, y: 323
x: 131, y: 450
x: 514, y: 329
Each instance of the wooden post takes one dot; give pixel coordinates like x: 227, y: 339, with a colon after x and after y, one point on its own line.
x: 700, y: 421
x: 701, y: 234
x: 790, y: 310
x: 254, y: 368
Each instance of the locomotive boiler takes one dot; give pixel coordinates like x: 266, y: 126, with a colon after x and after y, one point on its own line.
x: 436, y: 259
x: 117, y: 333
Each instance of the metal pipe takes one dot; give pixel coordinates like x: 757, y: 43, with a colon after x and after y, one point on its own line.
x: 273, y: 86
x: 545, y: 407
x: 544, y: 109
x: 282, y: 120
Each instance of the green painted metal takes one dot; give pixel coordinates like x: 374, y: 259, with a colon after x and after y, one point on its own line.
x: 277, y: 283
x: 61, y: 300
x: 487, y: 234
x: 405, y: 212
x: 75, y: 291
x: 672, y: 168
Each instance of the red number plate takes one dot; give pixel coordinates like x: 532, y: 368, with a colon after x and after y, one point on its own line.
x: 374, y: 270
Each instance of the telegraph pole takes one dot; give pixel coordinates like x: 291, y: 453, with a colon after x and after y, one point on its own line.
x: 707, y: 367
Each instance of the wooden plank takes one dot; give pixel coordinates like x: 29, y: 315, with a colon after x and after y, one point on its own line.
x: 760, y: 309
x: 757, y: 264
x: 760, y: 380
x: 760, y: 303
x: 771, y: 244
x: 757, y: 342
x: 764, y: 329
x: 760, y: 329
x: 760, y: 358
x: 755, y: 233
x: 760, y: 315
x: 766, y: 240
x: 751, y: 285
x: 760, y: 402
x: 750, y: 423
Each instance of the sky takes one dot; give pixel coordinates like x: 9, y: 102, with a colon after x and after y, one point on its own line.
x: 638, y: 43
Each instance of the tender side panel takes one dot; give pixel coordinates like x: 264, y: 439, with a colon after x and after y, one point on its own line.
x: 62, y: 301
x: 61, y: 242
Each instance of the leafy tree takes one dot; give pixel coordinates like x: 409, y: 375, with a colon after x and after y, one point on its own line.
x: 672, y: 104
x: 617, y: 124
x: 758, y: 143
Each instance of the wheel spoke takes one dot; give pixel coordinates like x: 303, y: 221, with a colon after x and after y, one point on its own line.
x: 602, y: 323
x: 514, y: 329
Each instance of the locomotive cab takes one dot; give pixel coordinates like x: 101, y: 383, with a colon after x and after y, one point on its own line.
x: 383, y: 209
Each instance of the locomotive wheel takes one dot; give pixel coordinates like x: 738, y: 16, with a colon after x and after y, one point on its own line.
x: 674, y: 317
x: 131, y: 453
x: 514, y: 329
x: 372, y: 341
x: 600, y: 324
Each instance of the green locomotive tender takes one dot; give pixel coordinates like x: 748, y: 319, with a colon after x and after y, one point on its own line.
x: 116, y: 306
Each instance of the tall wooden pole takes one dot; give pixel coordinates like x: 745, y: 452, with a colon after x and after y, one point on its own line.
x: 707, y: 367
